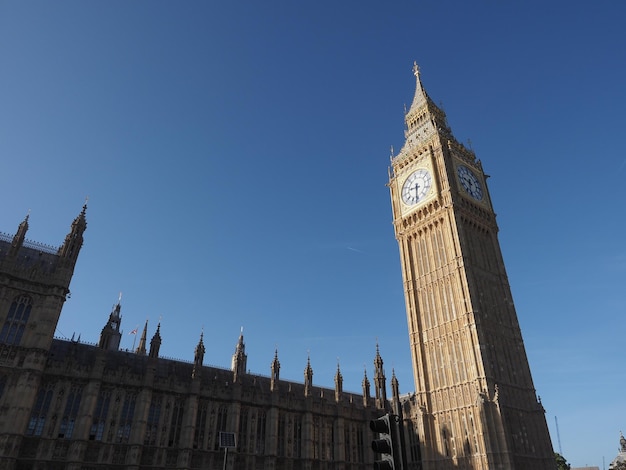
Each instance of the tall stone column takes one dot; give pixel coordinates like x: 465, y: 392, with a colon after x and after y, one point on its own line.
x: 271, y: 426
x: 142, y: 408
x: 339, y: 444
x: 308, y: 451
x: 189, y: 426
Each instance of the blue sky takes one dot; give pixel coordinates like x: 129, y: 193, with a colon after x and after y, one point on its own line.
x: 235, y: 158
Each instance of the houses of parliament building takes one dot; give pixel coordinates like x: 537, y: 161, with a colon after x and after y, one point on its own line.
x: 70, y: 405
x: 66, y: 404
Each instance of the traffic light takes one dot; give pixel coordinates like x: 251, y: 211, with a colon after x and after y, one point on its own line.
x: 388, y: 444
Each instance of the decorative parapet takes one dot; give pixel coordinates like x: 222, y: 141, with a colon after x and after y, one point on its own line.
x: 53, y: 250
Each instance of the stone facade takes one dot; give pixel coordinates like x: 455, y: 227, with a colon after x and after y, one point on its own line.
x: 75, y: 406
x: 475, y: 405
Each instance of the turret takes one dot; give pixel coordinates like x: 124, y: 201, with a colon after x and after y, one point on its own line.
x: 19, y: 237
x: 275, y: 370
x: 74, y: 240
x: 380, y: 382
x: 308, y: 377
x: 366, y: 389
x: 338, y: 383
x: 198, y: 356
x: 395, y: 393
x: 155, y: 342
x: 37, y: 284
x: 239, y: 361
x: 111, y: 335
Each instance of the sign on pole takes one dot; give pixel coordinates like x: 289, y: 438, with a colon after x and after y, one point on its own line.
x: 227, y: 441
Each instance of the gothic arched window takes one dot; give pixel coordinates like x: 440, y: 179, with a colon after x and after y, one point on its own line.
x: 15, y: 323
x: 40, y: 410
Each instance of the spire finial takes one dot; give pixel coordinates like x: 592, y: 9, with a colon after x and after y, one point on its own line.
x: 416, y: 69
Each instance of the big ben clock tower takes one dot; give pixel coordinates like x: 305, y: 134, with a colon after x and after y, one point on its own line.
x: 475, y: 403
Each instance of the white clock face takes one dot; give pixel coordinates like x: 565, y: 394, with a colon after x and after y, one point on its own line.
x: 469, y: 182
x: 416, y: 186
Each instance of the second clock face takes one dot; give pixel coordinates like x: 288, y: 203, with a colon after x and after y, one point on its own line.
x: 416, y: 186
x: 469, y: 182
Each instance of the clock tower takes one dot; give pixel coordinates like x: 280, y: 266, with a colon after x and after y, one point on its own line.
x: 475, y: 403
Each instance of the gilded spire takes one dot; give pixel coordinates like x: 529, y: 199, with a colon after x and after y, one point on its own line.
x: 421, y: 97
x: 423, y: 119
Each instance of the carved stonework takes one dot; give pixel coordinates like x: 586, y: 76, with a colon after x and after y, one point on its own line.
x: 463, y: 329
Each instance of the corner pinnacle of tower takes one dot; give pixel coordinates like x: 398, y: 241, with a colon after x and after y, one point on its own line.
x: 200, y: 349
x: 377, y: 358
x: 82, y: 217
x: 308, y: 369
x: 275, y: 361
x: 20, y: 235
